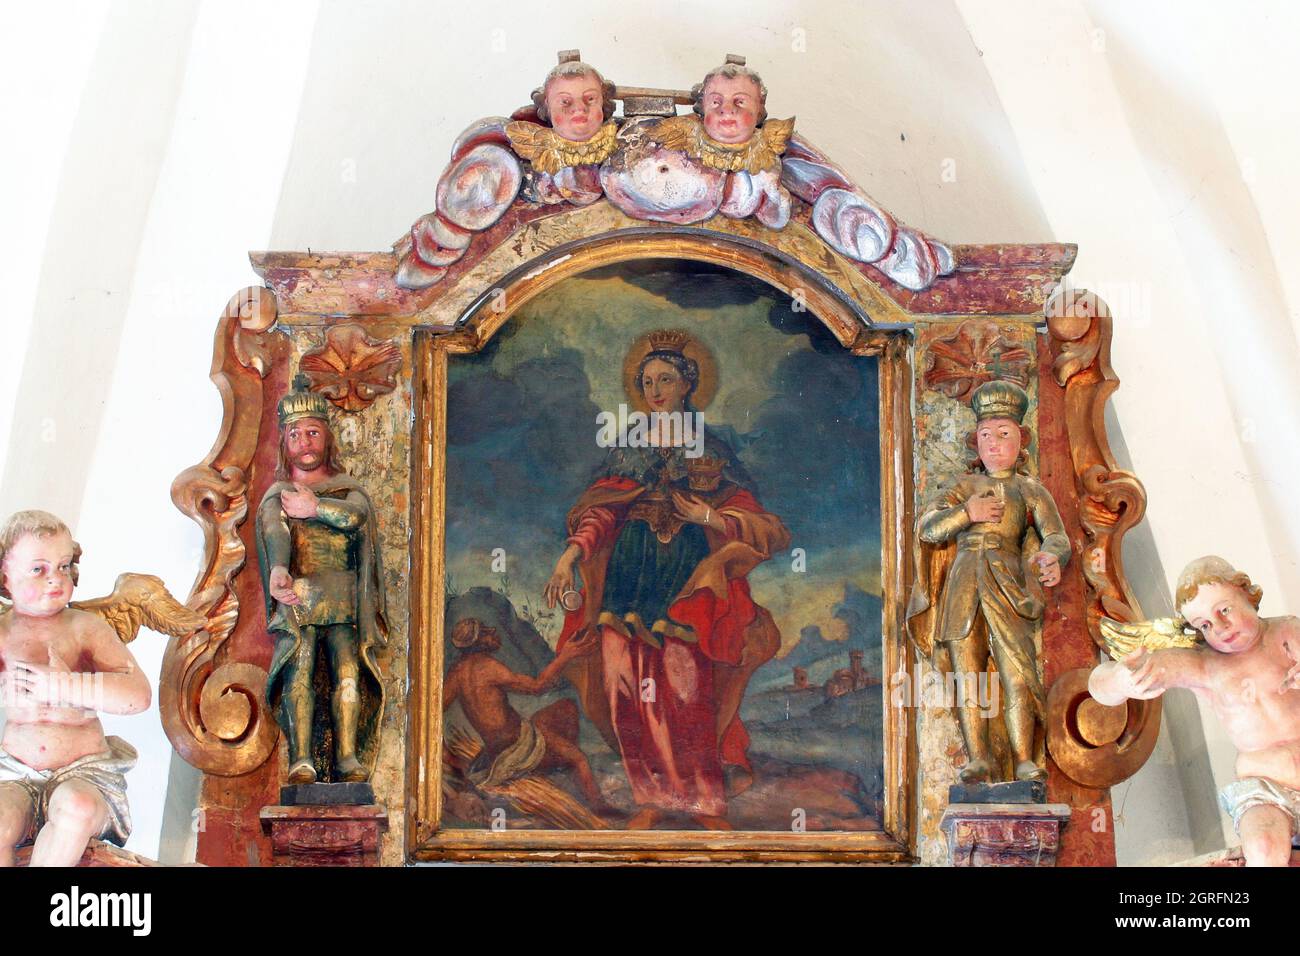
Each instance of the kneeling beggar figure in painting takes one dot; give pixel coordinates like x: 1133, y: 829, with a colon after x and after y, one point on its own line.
x: 514, y: 745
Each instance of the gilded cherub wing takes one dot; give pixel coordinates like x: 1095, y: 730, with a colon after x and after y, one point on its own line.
x: 778, y: 133
x: 142, y: 599
x: 1163, y: 632
x: 678, y: 132
x: 527, y: 139
x: 535, y: 144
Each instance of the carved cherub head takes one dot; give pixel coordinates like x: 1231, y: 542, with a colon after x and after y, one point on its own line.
x: 575, y: 100
x: 731, y: 100
x: 38, y: 562
x: 1220, y: 603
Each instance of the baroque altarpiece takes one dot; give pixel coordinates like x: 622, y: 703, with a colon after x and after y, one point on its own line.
x: 646, y: 425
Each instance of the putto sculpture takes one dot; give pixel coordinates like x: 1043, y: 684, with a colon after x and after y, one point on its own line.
x: 62, y: 781
x: 1247, y: 669
x: 565, y: 156
x: 722, y: 158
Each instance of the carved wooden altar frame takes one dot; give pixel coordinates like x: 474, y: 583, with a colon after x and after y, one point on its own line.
x: 212, y: 682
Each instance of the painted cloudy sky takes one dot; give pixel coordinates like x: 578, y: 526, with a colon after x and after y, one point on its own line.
x: 522, y: 426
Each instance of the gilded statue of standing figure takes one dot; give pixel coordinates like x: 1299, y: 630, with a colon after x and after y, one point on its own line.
x: 317, y: 544
x: 985, y: 549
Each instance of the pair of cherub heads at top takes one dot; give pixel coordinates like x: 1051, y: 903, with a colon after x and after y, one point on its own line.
x: 577, y: 101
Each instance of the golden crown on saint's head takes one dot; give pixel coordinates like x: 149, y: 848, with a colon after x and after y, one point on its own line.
x: 669, y: 340
x: 999, y: 399
x: 303, y: 403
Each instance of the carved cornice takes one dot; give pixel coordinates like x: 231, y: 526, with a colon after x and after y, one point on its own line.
x: 213, y: 709
x: 1094, y: 745
x: 316, y: 288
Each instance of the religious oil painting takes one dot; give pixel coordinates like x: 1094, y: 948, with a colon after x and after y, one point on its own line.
x: 663, y: 577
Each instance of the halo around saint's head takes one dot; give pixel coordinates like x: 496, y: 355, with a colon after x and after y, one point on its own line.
x: 671, y: 340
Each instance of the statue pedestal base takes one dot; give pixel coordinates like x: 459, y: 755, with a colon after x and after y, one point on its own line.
x: 325, y: 835
x: 1004, y: 834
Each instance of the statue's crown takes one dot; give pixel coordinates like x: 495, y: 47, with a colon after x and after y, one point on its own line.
x: 669, y: 341
x: 303, y: 403
x: 999, y: 399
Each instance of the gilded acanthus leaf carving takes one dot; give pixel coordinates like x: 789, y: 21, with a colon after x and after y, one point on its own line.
x: 352, y: 369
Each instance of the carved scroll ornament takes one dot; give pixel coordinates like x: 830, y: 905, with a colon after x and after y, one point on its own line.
x: 213, y: 708
x: 1095, y: 745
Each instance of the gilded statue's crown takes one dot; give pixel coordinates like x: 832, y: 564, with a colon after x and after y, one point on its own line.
x: 303, y: 403
x: 669, y: 341
x: 999, y: 399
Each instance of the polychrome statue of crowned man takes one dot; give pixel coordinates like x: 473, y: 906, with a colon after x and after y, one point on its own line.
x: 985, y: 551
x: 318, y: 547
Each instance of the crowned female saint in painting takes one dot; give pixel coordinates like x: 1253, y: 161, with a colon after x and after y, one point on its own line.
x: 664, y: 539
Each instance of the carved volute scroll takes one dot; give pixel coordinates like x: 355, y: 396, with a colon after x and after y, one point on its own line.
x: 1095, y: 745
x: 213, y: 710
x: 1111, y: 501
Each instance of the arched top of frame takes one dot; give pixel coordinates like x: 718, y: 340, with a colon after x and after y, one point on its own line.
x: 843, y: 313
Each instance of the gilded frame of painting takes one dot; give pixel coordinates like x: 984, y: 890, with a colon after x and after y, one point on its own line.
x: 842, y: 312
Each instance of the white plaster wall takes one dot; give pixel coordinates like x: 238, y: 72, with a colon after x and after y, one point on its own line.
x: 151, y: 144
